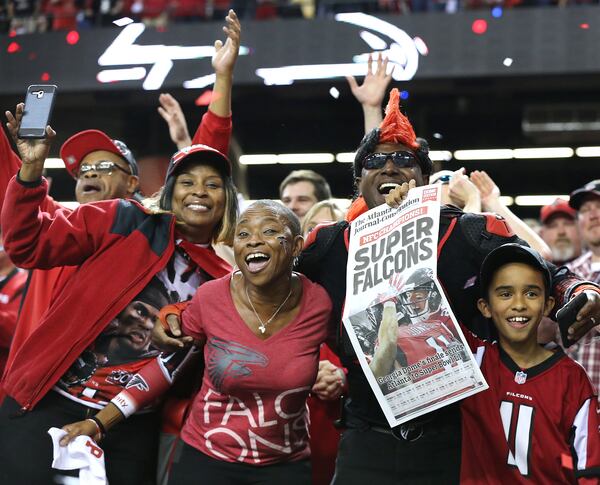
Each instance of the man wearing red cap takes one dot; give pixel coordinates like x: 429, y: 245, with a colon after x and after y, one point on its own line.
x: 427, y: 449
x: 559, y: 231
x: 105, y: 168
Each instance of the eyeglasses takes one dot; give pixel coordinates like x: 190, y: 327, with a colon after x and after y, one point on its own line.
x: 104, y: 167
x: 401, y: 159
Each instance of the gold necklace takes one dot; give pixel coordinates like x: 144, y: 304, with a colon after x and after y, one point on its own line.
x: 263, y: 325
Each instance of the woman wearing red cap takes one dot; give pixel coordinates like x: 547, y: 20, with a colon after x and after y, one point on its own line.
x: 121, y: 248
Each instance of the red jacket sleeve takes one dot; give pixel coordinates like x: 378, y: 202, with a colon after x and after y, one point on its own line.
x: 10, y: 163
x: 8, y: 323
x: 214, y: 131
x: 37, y: 239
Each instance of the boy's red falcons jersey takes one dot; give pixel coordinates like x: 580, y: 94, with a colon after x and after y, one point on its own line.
x: 534, y: 426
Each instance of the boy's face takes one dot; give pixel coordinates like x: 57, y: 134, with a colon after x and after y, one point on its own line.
x: 516, y: 302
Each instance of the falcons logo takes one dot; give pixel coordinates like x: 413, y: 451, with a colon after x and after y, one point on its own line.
x: 230, y: 359
x: 138, y: 382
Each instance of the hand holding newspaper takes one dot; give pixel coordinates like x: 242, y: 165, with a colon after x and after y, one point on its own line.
x: 407, y: 340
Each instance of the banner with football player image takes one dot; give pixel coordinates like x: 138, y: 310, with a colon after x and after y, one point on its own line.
x: 407, y: 340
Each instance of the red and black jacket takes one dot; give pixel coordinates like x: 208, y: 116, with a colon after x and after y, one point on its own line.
x: 118, y: 245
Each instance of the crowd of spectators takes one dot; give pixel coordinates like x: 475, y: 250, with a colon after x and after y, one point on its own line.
x: 29, y: 16
x: 79, y: 354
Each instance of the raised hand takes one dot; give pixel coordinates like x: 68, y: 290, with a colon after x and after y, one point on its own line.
x: 372, y: 91
x: 463, y: 192
x: 396, y: 196
x: 226, y: 54
x: 588, y: 317
x: 171, y: 112
x: 33, y: 152
x: 488, y: 190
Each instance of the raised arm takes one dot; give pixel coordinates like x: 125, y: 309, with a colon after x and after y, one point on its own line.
x: 490, y: 202
x: 10, y: 163
x: 171, y: 112
x: 34, y: 238
x: 371, y: 92
x: 215, y: 128
x: 463, y: 192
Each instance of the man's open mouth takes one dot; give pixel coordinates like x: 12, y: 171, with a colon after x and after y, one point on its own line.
x: 387, y: 187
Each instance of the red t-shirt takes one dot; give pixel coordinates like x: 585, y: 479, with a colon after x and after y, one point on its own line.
x: 252, y: 404
x: 538, y: 425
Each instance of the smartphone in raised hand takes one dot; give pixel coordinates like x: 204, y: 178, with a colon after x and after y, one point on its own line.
x: 566, y: 317
x: 39, y: 102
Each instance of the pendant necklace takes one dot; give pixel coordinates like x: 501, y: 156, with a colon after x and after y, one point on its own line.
x: 263, y: 325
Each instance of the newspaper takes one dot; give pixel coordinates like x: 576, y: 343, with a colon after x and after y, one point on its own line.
x: 407, y: 340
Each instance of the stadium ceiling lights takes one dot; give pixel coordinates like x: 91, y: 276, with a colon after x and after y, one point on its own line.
x: 518, y: 153
x: 538, y: 200
x: 435, y: 155
x: 584, y: 152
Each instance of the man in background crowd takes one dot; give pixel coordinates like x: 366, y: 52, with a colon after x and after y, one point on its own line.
x: 586, y: 201
x: 302, y: 189
x: 559, y: 231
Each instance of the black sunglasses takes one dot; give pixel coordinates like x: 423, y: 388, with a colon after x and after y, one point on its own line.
x: 402, y: 159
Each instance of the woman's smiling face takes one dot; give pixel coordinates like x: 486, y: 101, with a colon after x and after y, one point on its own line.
x: 198, y: 201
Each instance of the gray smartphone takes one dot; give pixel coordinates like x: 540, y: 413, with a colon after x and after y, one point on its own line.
x: 39, y: 102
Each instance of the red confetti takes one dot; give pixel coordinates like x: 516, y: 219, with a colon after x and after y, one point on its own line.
x: 584, y: 26
x: 72, y: 37
x: 13, y: 47
x: 12, y: 33
x: 479, y: 27
x: 204, y: 98
x: 45, y: 76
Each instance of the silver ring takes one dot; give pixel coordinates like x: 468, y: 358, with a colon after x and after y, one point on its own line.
x: 593, y: 320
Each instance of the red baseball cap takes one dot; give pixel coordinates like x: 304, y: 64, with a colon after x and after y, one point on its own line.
x: 81, y: 144
x: 201, y: 153
x: 559, y: 206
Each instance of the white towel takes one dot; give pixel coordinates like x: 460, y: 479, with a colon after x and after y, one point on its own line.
x: 82, y: 453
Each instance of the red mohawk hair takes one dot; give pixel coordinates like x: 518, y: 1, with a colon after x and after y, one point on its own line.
x: 395, y: 127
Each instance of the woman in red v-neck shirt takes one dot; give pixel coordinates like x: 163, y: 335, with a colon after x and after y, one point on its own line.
x: 261, y: 334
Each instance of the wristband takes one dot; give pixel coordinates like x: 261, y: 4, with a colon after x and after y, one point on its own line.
x: 99, y: 425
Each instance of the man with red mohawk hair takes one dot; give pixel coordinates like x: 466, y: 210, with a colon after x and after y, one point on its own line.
x: 390, y: 160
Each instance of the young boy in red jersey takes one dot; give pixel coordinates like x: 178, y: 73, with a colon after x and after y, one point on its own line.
x: 538, y: 421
